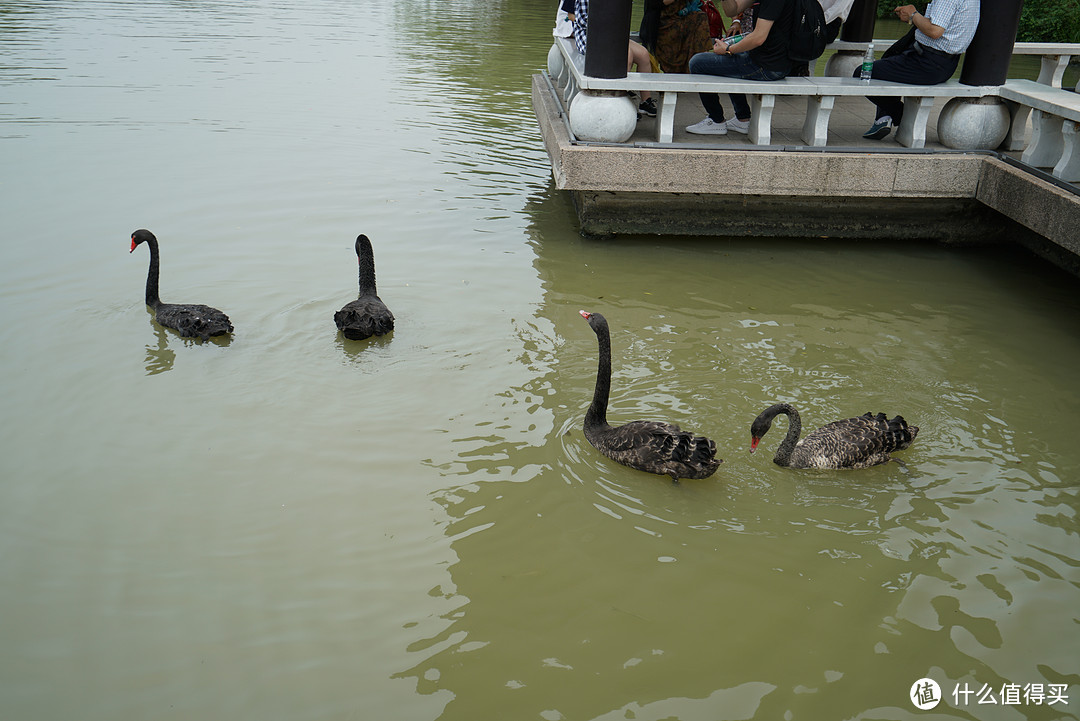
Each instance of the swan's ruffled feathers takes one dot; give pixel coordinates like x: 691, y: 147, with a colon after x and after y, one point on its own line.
x: 363, y: 318
x: 658, y: 447
x: 859, y: 442
x: 193, y: 321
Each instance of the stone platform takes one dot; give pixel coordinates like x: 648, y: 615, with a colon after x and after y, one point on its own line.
x: 853, y: 188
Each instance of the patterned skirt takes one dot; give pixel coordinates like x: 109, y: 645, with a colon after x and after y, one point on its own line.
x: 680, y: 37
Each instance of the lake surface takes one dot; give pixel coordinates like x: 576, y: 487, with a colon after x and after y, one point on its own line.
x: 288, y: 525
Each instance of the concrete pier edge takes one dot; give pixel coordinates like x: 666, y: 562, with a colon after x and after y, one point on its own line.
x: 944, y: 196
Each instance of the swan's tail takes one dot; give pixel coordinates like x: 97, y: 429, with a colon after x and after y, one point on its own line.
x: 898, y: 435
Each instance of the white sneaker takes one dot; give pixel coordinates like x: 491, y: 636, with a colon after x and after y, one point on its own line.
x: 707, y: 127
x: 739, y: 126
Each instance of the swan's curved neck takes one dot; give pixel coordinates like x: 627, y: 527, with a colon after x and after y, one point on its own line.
x: 787, y: 446
x: 366, y: 260
x: 596, y: 416
x: 152, y: 298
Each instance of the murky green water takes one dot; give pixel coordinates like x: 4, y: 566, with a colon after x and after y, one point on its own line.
x: 289, y: 526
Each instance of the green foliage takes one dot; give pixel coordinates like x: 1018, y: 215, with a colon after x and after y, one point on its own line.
x: 1050, y: 21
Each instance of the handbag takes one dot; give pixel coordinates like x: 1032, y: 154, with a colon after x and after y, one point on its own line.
x: 716, y: 20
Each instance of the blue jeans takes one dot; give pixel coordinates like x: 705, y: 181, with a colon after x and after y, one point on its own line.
x: 730, y: 66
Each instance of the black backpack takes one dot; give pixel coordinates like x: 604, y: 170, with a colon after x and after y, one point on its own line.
x: 808, y: 39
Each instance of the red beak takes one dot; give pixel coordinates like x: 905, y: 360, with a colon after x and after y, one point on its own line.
x: 753, y: 443
x: 132, y: 246
x: 584, y: 314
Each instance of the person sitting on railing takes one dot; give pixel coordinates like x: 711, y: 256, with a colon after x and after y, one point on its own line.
x: 636, y: 53
x: 929, y: 54
x: 760, y: 55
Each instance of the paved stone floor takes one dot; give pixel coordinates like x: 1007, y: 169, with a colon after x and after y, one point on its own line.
x: 850, y: 119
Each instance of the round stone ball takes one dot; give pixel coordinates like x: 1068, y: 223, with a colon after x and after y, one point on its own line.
x: 973, y: 123
x: 843, y: 64
x: 555, y: 64
x: 602, y: 116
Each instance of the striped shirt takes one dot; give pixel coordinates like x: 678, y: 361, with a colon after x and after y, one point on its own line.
x: 960, y: 18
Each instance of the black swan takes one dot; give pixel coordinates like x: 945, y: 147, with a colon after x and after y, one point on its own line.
x: 651, y: 446
x: 851, y: 443
x: 367, y: 315
x: 191, y: 321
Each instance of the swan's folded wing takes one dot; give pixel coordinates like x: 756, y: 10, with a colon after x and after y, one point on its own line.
x: 643, y: 434
x: 194, y: 321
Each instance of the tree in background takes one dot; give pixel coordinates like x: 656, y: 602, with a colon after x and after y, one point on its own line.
x: 1050, y: 21
x: 1041, y: 21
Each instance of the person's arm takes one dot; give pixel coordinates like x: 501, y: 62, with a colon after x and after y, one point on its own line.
x: 756, y: 37
x: 908, y: 14
x: 732, y: 8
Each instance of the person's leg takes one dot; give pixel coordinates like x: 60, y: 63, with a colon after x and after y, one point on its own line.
x: 750, y: 71
x: 740, y: 106
x: 910, y: 67
x: 708, y: 63
x: 637, y: 54
x: 728, y: 66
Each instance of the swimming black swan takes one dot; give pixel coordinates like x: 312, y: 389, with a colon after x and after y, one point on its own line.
x: 191, y: 321
x: 651, y: 446
x: 851, y: 443
x: 367, y: 315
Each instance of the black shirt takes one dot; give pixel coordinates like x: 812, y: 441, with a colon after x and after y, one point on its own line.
x: 773, y: 53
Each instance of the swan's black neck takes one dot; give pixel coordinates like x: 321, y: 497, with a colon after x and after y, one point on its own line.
x: 152, y: 298
x: 596, y: 416
x: 787, y: 446
x: 366, y: 259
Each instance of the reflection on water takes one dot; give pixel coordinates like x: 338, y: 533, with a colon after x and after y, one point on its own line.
x: 290, y: 525
x: 159, y: 359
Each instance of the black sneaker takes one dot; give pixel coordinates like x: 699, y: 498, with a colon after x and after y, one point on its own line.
x: 648, y: 108
x: 880, y: 128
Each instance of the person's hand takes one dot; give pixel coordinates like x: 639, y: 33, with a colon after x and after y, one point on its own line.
x: 719, y: 46
x: 904, y: 12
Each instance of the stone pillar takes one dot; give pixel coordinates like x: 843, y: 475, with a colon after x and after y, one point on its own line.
x: 986, y: 61
x: 608, y: 36
x: 857, y: 28
x: 969, y: 124
x: 597, y: 115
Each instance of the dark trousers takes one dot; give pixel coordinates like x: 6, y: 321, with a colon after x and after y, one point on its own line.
x: 917, y: 65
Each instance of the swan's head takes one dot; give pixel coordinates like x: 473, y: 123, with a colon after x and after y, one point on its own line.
x: 759, y: 428
x: 598, y: 323
x: 763, y: 422
x: 140, y: 236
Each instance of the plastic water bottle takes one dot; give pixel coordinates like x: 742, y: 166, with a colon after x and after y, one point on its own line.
x: 732, y: 40
x: 867, y: 64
